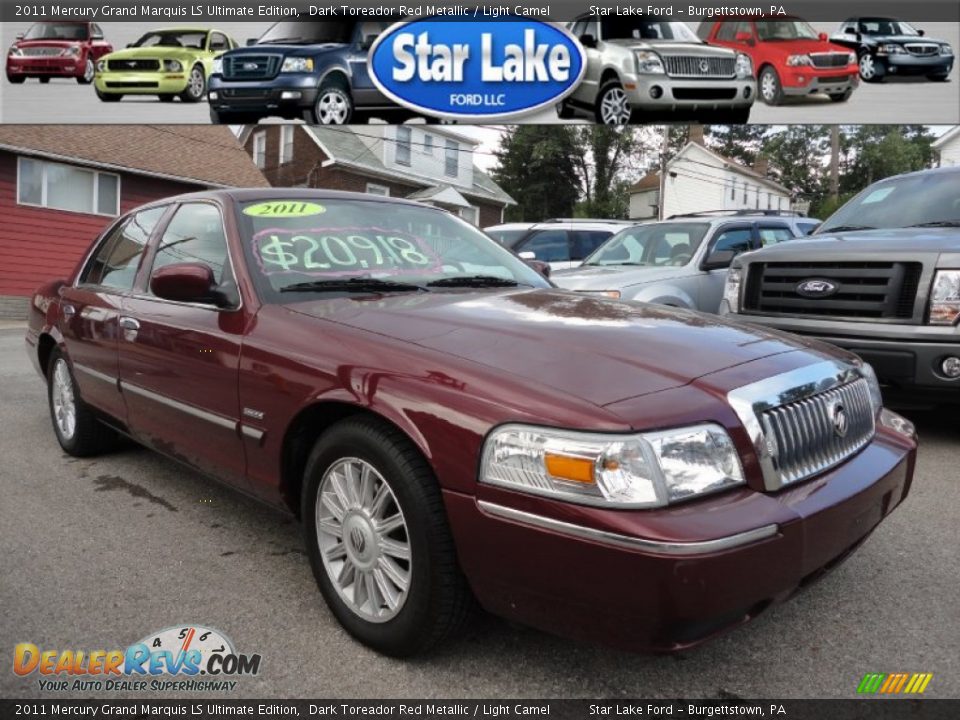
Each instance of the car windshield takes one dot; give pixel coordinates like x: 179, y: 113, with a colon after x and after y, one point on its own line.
x: 173, y: 39
x: 507, y: 238
x: 57, y: 31
x: 885, y: 26
x: 930, y: 198
x: 657, y: 244
x: 309, y: 33
x: 782, y: 30
x: 314, y: 245
x: 635, y: 29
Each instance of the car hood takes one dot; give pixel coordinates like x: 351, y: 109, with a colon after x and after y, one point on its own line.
x: 874, y: 242
x: 673, y: 47
x: 171, y: 53
x: 612, y: 277
x: 803, y: 47
x: 47, y: 43
x: 598, y: 350
x: 279, y: 49
x: 903, y: 39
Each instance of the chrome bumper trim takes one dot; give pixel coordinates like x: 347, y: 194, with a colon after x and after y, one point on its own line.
x: 625, y: 541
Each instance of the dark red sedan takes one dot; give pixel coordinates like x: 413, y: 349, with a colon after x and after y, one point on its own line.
x: 449, y: 426
x: 57, y: 49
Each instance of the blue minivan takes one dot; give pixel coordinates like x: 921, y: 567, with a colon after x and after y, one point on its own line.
x: 315, y: 71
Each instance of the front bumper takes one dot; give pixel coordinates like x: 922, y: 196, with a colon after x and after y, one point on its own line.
x: 656, y: 597
x: 661, y: 92
x: 286, y: 94
x: 916, y: 65
x: 25, y: 66
x: 807, y: 81
x: 140, y: 83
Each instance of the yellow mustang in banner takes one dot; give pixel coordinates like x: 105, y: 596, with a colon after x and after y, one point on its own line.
x: 173, y: 62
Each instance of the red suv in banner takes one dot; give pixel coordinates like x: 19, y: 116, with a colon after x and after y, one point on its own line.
x: 57, y: 49
x: 790, y: 57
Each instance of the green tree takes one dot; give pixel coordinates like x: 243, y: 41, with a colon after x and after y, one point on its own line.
x: 606, y: 159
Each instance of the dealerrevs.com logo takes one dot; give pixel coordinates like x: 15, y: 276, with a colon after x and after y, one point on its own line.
x: 472, y: 70
x: 176, y: 659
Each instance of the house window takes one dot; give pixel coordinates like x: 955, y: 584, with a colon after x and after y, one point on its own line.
x: 286, y: 144
x: 733, y: 190
x: 260, y: 150
x: 451, y: 165
x: 744, y: 192
x: 428, y: 144
x: 403, y: 146
x: 374, y: 189
x: 469, y: 214
x: 67, y: 187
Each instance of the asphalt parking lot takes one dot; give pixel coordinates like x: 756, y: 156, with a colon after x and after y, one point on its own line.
x: 97, y: 553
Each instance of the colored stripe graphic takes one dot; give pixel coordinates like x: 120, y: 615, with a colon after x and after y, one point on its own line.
x: 894, y: 683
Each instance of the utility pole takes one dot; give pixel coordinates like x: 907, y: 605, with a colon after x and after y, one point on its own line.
x: 834, y: 163
x: 664, y: 150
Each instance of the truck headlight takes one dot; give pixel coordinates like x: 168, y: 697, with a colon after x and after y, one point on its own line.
x: 638, y: 471
x: 648, y: 62
x: 945, y: 298
x: 14, y: 51
x: 731, y: 289
x: 217, y: 66
x: 798, y: 60
x: 946, y: 49
x: 744, y: 66
x: 297, y: 64
x: 172, y: 66
x: 890, y: 49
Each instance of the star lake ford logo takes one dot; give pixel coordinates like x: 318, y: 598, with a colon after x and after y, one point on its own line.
x: 816, y: 288
x: 182, y: 658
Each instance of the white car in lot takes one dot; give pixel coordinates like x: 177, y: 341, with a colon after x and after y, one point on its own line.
x: 562, y: 243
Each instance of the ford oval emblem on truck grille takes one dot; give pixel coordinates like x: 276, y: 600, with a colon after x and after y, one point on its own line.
x: 817, y: 288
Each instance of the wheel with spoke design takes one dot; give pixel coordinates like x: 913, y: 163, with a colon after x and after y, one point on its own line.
x: 196, y: 85
x: 612, y: 104
x: 378, y: 540
x: 77, y: 428
x: 334, y: 105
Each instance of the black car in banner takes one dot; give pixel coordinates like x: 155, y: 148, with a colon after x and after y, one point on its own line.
x: 888, y: 47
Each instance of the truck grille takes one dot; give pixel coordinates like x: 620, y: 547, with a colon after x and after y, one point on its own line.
x: 806, y: 436
x: 922, y: 49
x: 685, y: 66
x: 864, y: 290
x: 41, y: 51
x: 251, y: 67
x: 830, y: 60
x: 134, y: 65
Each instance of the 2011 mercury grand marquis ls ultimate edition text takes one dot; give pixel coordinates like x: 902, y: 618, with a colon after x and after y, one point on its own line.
x: 449, y: 426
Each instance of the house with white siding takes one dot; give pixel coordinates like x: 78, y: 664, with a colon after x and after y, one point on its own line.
x: 947, y: 147
x: 699, y: 179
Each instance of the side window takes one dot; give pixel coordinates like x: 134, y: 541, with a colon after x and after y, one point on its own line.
x: 773, y: 234
x: 591, y: 27
x: 727, y: 31
x: 195, y: 235
x: 218, y: 42
x: 807, y: 227
x: 586, y: 241
x: 578, y: 27
x: 737, y: 239
x: 548, y: 246
x: 116, y: 263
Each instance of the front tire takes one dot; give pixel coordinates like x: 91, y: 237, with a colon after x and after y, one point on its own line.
x: 612, y: 105
x: 196, y: 86
x: 842, y: 97
x: 108, y: 97
x: 89, y: 71
x: 940, y: 77
x: 334, y: 105
x: 771, y: 89
x: 565, y: 111
x: 378, y: 541
x: 871, y: 71
x: 16, y: 79
x: 44, y: 80
x: 78, y: 430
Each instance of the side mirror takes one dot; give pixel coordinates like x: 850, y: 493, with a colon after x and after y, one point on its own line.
x: 540, y: 266
x: 527, y: 255
x: 588, y: 40
x: 850, y: 31
x: 19, y: 36
x: 921, y: 32
x: 130, y: 45
x: 718, y: 259
x: 823, y: 37
x: 744, y: 37
x: 252, y: 41
x: 368, y: 42
x: 96, y: 36
x: 188, y: 282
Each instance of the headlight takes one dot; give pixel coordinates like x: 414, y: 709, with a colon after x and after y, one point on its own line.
x: 643, y: 470
x: 890, y: 49
x: 615, y: 294
x: 946, y: 49
x: 101, y: 65
x: 15, y: 51
x: 71, y: 51
x: 172, y: 66
x: 218, y: 66
x: 648, y: 62
x: 876, y: 398
x: 795, y: 60
x: 852, y: 59
x: 945, y: 298
x: 297, y: 64
x: 744, y: 66
x: 731, y: 289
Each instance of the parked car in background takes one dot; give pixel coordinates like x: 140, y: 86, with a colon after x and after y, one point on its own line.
x: 562, y: 243
x: 789, y: 56
x: 315, y: 71
x: 888, y: 47
x: 57, y: 49
x: 880, y: 277
x: 636, y: 65
x: 449, y: 427
x: 170, y: 63
x: 681, y: 262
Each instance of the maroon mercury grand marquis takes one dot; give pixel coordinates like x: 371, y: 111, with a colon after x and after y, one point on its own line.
x: 449, y: 426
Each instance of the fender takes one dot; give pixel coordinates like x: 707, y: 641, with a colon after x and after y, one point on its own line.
x: 661, y: 294
x: 345, y: 70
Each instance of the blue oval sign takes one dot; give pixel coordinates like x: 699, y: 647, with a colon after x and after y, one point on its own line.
x: 472, y: 70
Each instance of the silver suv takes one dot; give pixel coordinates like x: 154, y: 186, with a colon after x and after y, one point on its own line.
x: 562, y: 243
x: 681, y: 262
x: 653, y: 65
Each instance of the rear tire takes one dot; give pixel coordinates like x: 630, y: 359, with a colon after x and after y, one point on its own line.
x: 233, y: 118
x: 378, y: 540
x: 941, y: 77
x: 166, y: 97
x: 78, y: 430
x: 565, y: 111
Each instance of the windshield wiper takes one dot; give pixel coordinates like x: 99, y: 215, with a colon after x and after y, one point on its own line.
x: 846, y: 228
x: 473, y: 281
x: 938, y: 223
x: 354, y: 284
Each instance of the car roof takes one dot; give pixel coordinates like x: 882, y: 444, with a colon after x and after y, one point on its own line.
x: 242, y: 195
x: 179, y: 29
x: 510, y: 226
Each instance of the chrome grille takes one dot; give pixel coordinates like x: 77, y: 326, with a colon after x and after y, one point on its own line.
x: 686, y: 66
x: 830, y: 60
x: 41, y: 51
x: 804, y: 433
x: 251, y: 67
x: 922, y: 49
x: 139, y: 64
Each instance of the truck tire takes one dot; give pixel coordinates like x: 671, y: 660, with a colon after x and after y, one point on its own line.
x: 771, y: 89
x: 334, y: 105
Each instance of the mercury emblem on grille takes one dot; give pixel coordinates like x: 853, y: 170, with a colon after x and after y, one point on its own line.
x: 838, y: 416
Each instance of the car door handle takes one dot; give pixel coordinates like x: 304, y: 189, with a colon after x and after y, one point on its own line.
x: 128, y: 323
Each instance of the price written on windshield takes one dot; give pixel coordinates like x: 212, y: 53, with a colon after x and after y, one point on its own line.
x: 324, y: 251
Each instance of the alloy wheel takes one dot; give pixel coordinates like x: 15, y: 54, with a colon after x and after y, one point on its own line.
x: 64, y: 400
x: 332, y: 108
x: 614, y: 107
x: 89, y: 71
x: 363, y: 540
x: 868, y: 67
x: 197, y: 82
x: 768, y: 87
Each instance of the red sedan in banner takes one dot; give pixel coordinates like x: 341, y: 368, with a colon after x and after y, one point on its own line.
x: 790, y: 57
x: 57, y: 49
x: 450, y: 427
